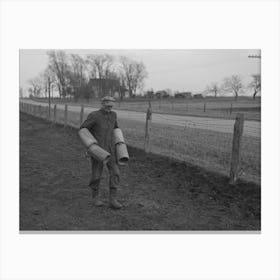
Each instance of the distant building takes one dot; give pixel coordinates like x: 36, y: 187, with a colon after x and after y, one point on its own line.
x: 149, y: 94
x: 198, y: 96
x: 101, y: 87
x: 161, y: 94
x: 186, y: 94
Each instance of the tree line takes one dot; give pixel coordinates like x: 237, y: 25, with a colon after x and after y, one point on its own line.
x: 235, y: 85
x: 70, y: 74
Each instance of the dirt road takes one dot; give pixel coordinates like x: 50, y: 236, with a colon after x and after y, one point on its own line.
x: 251, y: 128
x: 157, y: 193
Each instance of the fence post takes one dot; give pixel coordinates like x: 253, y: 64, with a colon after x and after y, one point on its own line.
x: 54, y: 113
x: 147, y: 134
x: 47, y: 112
x: 65, y: 115
x: 230, y: 111
x: 82, y: 114
x: 236, y: 143
x: 204, y: 109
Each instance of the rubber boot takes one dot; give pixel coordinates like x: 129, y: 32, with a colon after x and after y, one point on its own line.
x: 96, y: 198
x: 113, y: 201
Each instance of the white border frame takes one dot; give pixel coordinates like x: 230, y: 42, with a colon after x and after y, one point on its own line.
x: 155, y: 24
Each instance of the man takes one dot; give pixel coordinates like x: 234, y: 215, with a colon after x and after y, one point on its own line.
x: 101, y: 124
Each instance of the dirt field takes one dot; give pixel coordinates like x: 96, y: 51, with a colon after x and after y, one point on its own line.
x: 158, y: 193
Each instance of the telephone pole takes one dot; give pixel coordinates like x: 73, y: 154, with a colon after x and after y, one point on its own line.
x: 254, y: 56
x: 49, y: 91
x: 257, y: 56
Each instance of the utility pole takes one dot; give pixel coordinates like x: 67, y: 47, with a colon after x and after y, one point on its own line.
x: 254, y: 56
x: 49, y: 90
x: 258, y: 56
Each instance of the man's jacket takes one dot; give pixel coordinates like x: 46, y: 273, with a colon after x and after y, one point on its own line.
x: 101, y: 125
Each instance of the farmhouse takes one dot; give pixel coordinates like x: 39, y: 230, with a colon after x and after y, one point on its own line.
x: 186, y: 94
x: 101, y: 87
x: 161, y: 94
x: 198, y: 96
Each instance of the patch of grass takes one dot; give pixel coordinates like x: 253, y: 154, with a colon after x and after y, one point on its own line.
x: 215, y: 107
x: 205, y: 148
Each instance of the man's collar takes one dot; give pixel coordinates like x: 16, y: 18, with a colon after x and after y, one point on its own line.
x: 104, y: 111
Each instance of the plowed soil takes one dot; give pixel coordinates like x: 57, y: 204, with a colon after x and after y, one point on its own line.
x: 157, y: 193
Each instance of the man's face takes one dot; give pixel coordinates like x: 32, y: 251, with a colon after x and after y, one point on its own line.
x: 107, y: 106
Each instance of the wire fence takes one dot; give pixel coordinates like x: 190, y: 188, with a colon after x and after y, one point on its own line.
x: 209, y: 107
x: 204, y: 142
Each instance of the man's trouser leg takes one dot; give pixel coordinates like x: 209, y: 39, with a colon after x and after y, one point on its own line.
x: 114, y: 183
x: 96, y: 172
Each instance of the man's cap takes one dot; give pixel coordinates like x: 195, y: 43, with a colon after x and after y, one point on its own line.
x: 108, y: 98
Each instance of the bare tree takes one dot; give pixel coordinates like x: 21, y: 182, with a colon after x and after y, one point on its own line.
x: 58, y: 64
x: 20, y: 92
x: 77, y: 75
x: 100, y: 65
x: 50, y: 79
x: 255, y: 84
x: 233, y: 83
x: 134, y: 74
x: 37, y: 86
x: 213, y: 88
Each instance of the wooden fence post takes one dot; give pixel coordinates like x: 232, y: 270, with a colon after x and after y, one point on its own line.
x: 82, y: 114
x: 230, y: 111
x: 236, y: 143
x: 147, y: 134
x: 54, y: 113
x: 204, y: 109
x: 65, y: 115
x: 47, y: 112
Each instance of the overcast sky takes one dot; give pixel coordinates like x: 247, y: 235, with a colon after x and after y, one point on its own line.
x: 183, y: 70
